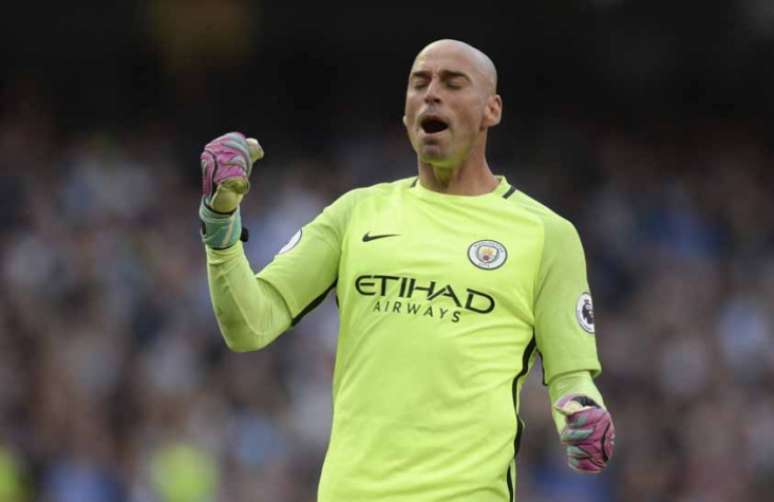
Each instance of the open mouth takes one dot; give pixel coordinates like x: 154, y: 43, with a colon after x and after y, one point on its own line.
x: 432, y: 125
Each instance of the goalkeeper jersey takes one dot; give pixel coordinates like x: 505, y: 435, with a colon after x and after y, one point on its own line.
x: 444, y: 302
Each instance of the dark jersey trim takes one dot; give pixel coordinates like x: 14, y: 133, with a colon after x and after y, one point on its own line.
x: 312, y: 305
x: 524, y: 368
x: 509, y: 192
x: 519, y: 424
x: 519, y: 431
x: 414, y: 183
x: 510, y: 484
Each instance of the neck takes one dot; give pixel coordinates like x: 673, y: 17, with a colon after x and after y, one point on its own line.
x: 471, y: 177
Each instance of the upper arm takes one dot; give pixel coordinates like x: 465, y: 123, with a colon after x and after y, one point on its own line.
x: 564, y: 324
x: 307, y: 267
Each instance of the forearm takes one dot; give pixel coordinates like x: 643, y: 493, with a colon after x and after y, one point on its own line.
x: 250, y: 312
x: 575, y: 382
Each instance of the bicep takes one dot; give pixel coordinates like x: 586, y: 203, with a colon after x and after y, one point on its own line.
x: 305, y: 269
x: 564, y: 323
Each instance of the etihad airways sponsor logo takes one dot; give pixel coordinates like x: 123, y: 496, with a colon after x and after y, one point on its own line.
x: 422, y: 298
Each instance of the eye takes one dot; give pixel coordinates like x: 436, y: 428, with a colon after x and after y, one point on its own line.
x: 455, y: 83
x: 419, y: 83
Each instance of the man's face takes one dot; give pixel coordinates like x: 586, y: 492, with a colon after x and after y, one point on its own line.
x: 448, y: 105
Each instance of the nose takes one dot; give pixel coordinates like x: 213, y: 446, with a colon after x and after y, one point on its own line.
x: 431, y: 95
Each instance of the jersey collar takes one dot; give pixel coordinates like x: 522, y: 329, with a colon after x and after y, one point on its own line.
x: 503, y: 189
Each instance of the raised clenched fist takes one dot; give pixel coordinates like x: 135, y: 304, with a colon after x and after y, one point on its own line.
x: 227, y: 162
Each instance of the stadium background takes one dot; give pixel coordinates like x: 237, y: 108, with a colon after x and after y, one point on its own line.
x: 648, y: 124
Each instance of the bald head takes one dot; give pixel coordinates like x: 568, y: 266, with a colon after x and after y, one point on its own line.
x: 451, y: 102
x: 479, y: 62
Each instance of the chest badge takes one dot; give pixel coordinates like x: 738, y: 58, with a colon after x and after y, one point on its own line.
x: 487, y: 255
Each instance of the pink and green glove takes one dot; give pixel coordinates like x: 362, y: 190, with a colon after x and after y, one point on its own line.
x: 226, y: 165
x: 589, y: 434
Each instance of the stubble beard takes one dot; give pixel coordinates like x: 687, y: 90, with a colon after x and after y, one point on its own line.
x: 440, y: 156
x: 436, y: 153
x: 438, y: 161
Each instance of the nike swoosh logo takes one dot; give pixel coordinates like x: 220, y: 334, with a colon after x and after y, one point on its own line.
x: 367, y: 237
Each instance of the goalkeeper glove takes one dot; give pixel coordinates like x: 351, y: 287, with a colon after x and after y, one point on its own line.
x: 589, y: 434
x: 226, y: 165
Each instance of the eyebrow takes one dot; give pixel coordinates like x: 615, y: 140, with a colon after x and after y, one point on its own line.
x: 445, y: 74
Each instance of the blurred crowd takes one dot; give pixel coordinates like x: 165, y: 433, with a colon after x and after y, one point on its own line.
x: 116, y: 386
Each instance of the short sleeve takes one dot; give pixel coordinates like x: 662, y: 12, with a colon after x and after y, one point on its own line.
x: 306, y: 268
x: 564, y: 313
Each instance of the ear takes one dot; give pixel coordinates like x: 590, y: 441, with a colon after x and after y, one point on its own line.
x: 493, y: 111
x: 405, y: 121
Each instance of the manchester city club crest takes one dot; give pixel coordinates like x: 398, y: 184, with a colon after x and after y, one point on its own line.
x: 584, y: 311
x: 487, y: 255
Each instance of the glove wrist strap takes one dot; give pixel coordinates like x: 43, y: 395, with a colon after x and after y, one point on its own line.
x: 220, y: 230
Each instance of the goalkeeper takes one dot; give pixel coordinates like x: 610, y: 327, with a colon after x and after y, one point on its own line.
x: 450, y: 284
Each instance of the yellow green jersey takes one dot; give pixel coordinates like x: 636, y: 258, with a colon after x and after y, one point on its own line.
x: 444, y: 302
